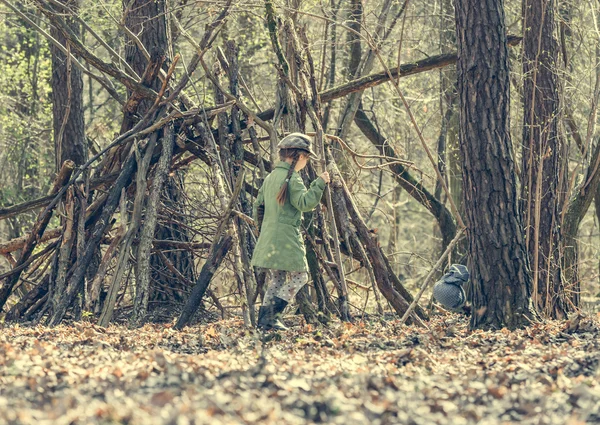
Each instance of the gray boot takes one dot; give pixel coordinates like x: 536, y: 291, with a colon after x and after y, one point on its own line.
x: 269, y: 315
x: 278, y: 306
x: 265, y: 316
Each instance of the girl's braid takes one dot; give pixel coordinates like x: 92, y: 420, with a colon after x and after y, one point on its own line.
x: 283, y: 192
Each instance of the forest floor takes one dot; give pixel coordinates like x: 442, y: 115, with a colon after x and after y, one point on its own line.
x: 377, y: 373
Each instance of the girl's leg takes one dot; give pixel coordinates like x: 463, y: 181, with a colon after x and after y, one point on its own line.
x: 296, y: 280
x: 275, y: 282
x: 272, y: 306
x: 279, y: 293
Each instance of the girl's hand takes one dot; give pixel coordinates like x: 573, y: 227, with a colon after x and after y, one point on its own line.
x: 325, y: 177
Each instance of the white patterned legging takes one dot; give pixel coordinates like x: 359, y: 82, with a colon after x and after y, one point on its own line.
x: 284, y: 285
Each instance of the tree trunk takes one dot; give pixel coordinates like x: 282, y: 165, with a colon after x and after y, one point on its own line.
x: 541, y: 158
x: 147, y: 19
x: 69, y: 144
x: 67, y: 100
x: 497, y: 251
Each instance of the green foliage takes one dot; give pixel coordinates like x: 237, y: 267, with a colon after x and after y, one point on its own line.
x: 26, y: 149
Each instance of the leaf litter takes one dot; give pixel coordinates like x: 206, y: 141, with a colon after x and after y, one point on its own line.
x: 376, y: 373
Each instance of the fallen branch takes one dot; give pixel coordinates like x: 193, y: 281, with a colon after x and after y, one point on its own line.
x: 208, y: 270
x: 19, y: 243
x: 403, y: 177
x: 142, y: 293
x: 143, y: 165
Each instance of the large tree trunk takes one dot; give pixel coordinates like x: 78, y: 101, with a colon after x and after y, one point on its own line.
x: 147, y: 19
x: 497, y: 251
x: 69, y: 144
x: 67, y: 100
x: 542, y: 153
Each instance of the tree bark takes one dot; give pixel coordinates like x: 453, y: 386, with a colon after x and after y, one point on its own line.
x: 67, y: 99
x: 142, y: 295
x: 497, y: 252
x: 541, y: 157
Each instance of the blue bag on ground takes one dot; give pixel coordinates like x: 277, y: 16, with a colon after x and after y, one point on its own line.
x: 448, y: 290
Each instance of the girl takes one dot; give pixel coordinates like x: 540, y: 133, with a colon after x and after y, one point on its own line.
x: 280, y: 247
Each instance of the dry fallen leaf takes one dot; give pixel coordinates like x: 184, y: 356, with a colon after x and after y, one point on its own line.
x: 222, y: 373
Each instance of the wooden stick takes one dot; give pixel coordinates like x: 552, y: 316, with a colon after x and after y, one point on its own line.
x: 142, y: 292
x: 208, y: 270
x: 143, y: 164
x: 20, y: 268
x: 45, y: 200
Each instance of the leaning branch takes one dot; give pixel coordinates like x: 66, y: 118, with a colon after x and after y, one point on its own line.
x: 431, y: 274
x: 378, y: 78
x: 218, y: 250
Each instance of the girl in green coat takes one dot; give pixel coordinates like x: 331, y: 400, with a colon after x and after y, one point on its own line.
x: 280, y: 247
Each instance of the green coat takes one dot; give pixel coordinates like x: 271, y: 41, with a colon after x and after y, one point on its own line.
x: 280, y: 245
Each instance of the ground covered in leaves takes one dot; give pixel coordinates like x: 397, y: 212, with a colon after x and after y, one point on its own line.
x: 378, y: 373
